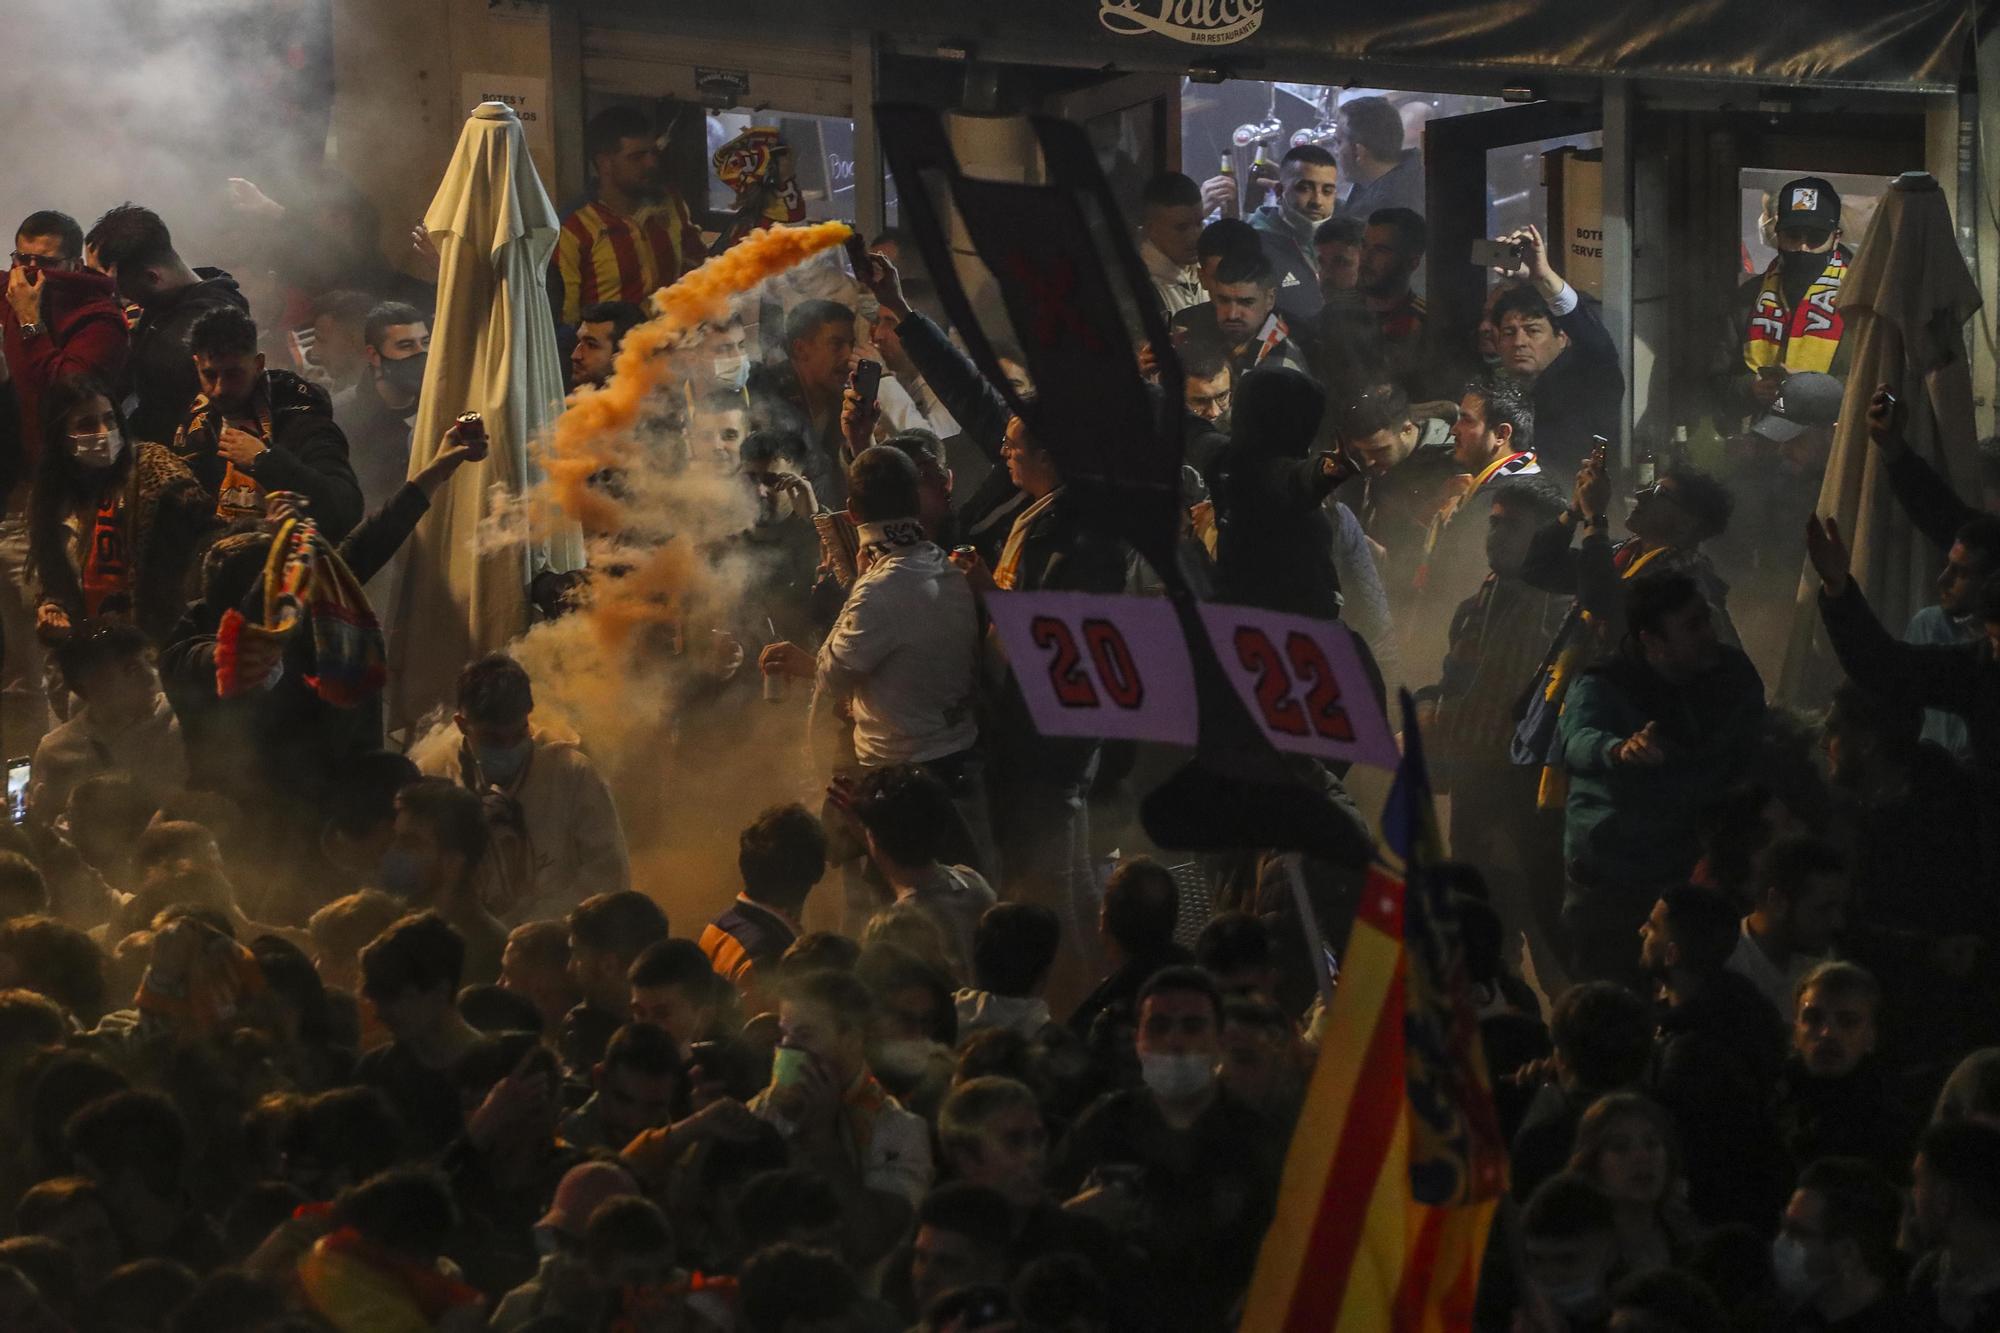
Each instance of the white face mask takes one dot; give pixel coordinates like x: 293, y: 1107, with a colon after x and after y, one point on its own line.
x: 732, y: 370
x: 97, y: 451
x: 1177, y: 1078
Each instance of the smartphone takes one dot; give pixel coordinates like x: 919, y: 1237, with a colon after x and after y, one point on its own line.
x: 1495, y: 254
x: 867, y: 379
x: 857, y: 254
x: 17, y: 788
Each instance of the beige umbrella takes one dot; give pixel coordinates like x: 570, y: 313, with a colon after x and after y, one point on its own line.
x: 1906, y: 301
x: 464, y: 588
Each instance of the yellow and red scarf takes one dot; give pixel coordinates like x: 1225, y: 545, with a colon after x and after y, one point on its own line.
x: 1801, y: 338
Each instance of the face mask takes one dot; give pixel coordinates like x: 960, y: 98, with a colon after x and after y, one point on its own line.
x: 97, y: 451
x: 1176, y: 1078
x: 403, y: 874
x: 406, y: 375
x: 501, y: 766
x: 1801, y: 264
x: 1578, y: 1300
x: 732, y: 371
x: 1789, y: 1266
x: 905, y: 1058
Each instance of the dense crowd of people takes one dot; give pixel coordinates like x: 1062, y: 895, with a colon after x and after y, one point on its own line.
x: 305, y: 1026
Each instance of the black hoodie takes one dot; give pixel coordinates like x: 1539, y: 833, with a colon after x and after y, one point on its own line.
x: 1274, y: 547
x: 162, y: 368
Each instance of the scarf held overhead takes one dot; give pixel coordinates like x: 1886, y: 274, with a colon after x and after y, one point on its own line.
x: 306, y: 583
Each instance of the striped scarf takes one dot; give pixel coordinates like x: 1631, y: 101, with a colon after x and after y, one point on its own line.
x: 1802, y: 338
x: 306, y: 583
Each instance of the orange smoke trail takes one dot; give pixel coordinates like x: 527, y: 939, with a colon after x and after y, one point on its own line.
x: 587, y: 434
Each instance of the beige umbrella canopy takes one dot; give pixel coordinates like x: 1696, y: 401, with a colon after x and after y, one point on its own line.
x: 493, y: 351
x: 1906, y: 302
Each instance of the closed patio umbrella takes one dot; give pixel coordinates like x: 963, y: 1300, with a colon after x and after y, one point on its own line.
x: 1905, y: 302
x: 493, y: 351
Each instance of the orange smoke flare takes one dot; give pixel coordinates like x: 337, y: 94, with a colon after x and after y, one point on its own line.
x: 588, y: 433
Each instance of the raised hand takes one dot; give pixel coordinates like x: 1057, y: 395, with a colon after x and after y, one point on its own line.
x: 1828, y: 553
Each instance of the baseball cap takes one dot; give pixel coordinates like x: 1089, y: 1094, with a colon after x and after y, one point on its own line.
x: 583, y: 1188
x: 1807, y: 202
x: 1808, y: 399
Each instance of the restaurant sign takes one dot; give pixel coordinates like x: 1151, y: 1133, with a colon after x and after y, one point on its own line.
x: 1196, y: 22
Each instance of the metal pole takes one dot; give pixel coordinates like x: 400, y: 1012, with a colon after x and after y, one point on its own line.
x: 869, y: 215
x: 1618, y: 248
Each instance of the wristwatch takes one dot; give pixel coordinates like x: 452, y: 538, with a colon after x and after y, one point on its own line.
x: 31, y: 329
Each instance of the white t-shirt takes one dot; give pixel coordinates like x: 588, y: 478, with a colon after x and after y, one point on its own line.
x: 905, y: 650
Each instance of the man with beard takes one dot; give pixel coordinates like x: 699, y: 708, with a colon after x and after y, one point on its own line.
x: 1793, y: 320
x: 1308, y: 182
x: 378, y: 413
x: 1392, y: 251
x: 1242, y: 315
x: 599, y: 331
x: 635, y: 236
x: 1648, y: 738
x: 252, y: 431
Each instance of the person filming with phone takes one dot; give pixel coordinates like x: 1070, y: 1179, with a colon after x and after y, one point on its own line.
x: 1550, y: 340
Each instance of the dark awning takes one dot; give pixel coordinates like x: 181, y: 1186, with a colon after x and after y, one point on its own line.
x: 1902, y: 44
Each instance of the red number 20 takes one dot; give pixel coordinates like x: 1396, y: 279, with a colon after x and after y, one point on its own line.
x: 1109, y: 656
x: 1278, y: 675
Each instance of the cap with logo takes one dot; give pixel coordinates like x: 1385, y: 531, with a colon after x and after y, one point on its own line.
x: 1807, y: 400
x: 1807, y: 202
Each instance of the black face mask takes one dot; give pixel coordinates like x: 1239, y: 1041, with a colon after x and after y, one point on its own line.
x: 1801, y: 265
x: 407, y: 375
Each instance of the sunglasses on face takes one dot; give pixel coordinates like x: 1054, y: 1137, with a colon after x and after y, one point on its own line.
x: 55, y: 262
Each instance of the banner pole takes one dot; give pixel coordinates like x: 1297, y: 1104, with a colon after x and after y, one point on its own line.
x: 1315, y: 942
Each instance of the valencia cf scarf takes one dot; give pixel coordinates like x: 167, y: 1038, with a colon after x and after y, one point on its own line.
x: 1804, y: 337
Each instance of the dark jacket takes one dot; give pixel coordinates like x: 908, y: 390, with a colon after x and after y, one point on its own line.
x: 1633, y: 828
x: 284, y: 743
x: 1858, y: 1115
x: 1295, y: 262
x: 83, y: 333
x: 1929, y: 500
x: 1288, y: 352
x: 1962, y: 678
x: 1208, y: 1193
x: 1581, y: 394
x: 162, y: 368
x: 1275, y: 539
x: 778, y: 401
x: 308, y: 452
x: 982, y: 414
x: 1715, y: 1070
x: 1594, y: 573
